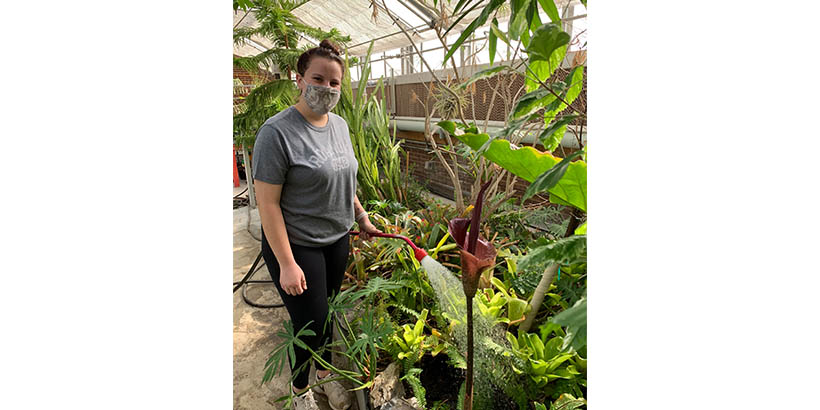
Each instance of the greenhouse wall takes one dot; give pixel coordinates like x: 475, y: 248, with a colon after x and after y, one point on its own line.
x: 424, y: 166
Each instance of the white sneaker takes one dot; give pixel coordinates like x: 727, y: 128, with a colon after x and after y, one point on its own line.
x: 305, y: 402
x: 337, y: 396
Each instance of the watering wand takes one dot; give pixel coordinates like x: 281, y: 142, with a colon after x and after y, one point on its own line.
x: 417, y: 252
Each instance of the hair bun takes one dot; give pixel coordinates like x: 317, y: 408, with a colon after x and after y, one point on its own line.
x: 326, y: 43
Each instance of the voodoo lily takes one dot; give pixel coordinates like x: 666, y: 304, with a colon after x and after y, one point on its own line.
x: 477, y: 255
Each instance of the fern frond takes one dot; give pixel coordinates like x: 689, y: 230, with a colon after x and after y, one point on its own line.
x: 412, y: 378
x: 406, y: 309
x: 455, y: 357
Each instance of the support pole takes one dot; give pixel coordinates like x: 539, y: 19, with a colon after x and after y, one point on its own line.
x: 235, y: 170
x: 249, y: 177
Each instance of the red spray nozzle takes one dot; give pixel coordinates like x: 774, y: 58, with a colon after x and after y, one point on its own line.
x: 417, y: 252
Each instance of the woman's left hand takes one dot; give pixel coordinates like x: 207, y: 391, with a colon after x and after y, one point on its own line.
x: 366, y: 229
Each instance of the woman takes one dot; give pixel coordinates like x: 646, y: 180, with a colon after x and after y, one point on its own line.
x: 304, y: 171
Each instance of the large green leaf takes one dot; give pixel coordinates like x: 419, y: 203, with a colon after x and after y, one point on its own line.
x: 575, y: 83
x: 538, y: 70
x: 547, y: 40
x: 575, y: 319
x: 528, y: 163
x: 572, y: 88
x: 552, y: 11
x: 525, y: 162
x: 550, y: 177
x: 564, y: 251
x: 532, y: 102
x: 533, y: 22
x: 518, y: 18
x: 551, y: 136
x: 572, y: 189
x: 542, y: 70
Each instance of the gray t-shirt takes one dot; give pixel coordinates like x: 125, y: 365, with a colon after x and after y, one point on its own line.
x: 316, y: 167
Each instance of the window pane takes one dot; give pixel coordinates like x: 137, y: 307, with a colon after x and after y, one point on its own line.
x: 393, y: 64
x: 579, y: 26
x: 483, y: 56
x: 466, y: 52
x: 404, y: 13
x: 376, y: 67
x: 406, y: 60
x: 434, y: 58
x: 431, y: 44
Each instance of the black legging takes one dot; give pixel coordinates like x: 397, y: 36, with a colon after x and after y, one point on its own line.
x: 324, y: 269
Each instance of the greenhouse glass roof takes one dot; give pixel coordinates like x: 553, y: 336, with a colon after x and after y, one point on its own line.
x: 359, y: 20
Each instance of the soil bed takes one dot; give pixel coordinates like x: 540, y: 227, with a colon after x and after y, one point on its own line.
x: 440, y: 380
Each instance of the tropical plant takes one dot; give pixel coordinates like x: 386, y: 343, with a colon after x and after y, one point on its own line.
x: 564, y: 402
x: 451, y: 99
x: 282, y: 29
x: 284, y: 352
x: 391, y: 298
x: 545, y: 361
x: 564, y: 179
x: 412, y: 378
x: 409, y: 343
x: 364, y: 328
x: 279, y: 25
x: 390, y: 259
x: 263, y: 101
x: 502, y: 305
x: 377, y: 151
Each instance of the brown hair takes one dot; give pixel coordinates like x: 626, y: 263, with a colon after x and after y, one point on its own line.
x: 325, y: 49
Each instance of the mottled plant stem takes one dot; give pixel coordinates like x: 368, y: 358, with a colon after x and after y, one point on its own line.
x: 468, y: 383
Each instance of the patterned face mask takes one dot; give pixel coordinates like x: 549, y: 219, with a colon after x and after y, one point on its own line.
x: 320, y: 99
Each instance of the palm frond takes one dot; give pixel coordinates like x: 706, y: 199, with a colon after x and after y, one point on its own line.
x: 282, y: 58
x: 268, y: 92
x: 241, y: 35
x: 262, y: 103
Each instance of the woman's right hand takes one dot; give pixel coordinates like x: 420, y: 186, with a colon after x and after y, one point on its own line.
x: 292, y: 279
